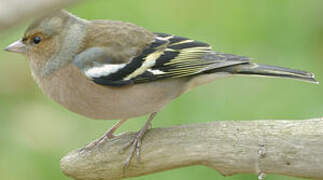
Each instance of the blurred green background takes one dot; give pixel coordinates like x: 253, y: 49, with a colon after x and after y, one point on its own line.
x: 35, y: 132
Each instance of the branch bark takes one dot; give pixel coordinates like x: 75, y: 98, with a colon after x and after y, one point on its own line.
x: 292, y: 148
x: 15, y: 11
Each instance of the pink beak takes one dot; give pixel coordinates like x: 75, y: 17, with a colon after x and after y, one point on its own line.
x: 17, y: 47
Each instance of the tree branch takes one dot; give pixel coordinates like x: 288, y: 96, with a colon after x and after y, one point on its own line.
x: 293, y: 148
x: 15, y: 11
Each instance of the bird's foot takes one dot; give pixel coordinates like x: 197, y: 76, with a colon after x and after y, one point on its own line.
x: 108, y: 135
x: 135, y: 143
x: 135, y: 147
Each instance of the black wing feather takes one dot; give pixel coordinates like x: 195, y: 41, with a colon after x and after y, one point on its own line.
x: 170, y: 57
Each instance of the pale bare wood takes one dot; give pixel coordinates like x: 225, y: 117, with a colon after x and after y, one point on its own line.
x: 16, y: 11
x: 285, y: 147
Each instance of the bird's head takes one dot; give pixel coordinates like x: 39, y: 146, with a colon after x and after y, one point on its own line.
x: 52, y: 41
x: 44, y: 37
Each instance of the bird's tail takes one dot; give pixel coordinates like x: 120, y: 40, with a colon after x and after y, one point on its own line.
x: 270, y: 71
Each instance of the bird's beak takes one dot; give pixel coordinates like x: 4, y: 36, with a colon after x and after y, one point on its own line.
x: 17, y: 47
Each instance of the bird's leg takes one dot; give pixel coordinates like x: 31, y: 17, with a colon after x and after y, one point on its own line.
x: 135, y: 143
x: 108, y: 135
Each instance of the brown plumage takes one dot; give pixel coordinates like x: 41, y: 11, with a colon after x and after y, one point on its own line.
x: 115, y: 70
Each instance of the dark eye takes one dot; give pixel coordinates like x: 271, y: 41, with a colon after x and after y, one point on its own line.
x: 37, y: 40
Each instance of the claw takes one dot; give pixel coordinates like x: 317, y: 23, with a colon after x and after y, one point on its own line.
x: 135, y: 143
x: 93, y: 144
x: 126, y: 146
x: 138, y: 150
x: 108, y: 135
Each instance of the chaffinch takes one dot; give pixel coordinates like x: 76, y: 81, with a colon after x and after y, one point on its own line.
x: 114, y: 70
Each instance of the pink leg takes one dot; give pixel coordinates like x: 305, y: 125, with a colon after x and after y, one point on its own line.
x: 108, y: 135
x: 136, y: 142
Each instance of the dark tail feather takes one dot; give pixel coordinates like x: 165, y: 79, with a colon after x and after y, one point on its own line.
x: 270, y: 71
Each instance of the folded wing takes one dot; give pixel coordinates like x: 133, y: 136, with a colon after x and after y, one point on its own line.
x: 168, y: 56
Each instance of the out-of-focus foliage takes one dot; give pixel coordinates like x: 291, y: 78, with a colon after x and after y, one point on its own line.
x: 35, y: 132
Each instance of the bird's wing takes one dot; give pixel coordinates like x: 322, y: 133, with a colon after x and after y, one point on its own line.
x: 167, y: 57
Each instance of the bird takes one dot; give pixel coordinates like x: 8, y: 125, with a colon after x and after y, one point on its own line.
x: 113, y: 70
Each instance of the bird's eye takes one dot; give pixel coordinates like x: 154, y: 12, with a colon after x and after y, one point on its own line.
x: 37, y: 40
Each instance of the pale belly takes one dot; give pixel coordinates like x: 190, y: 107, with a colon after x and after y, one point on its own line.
x: 80, y: 95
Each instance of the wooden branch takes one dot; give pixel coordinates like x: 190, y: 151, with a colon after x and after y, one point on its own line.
x: 15, y: 11
x: 292, y: 148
